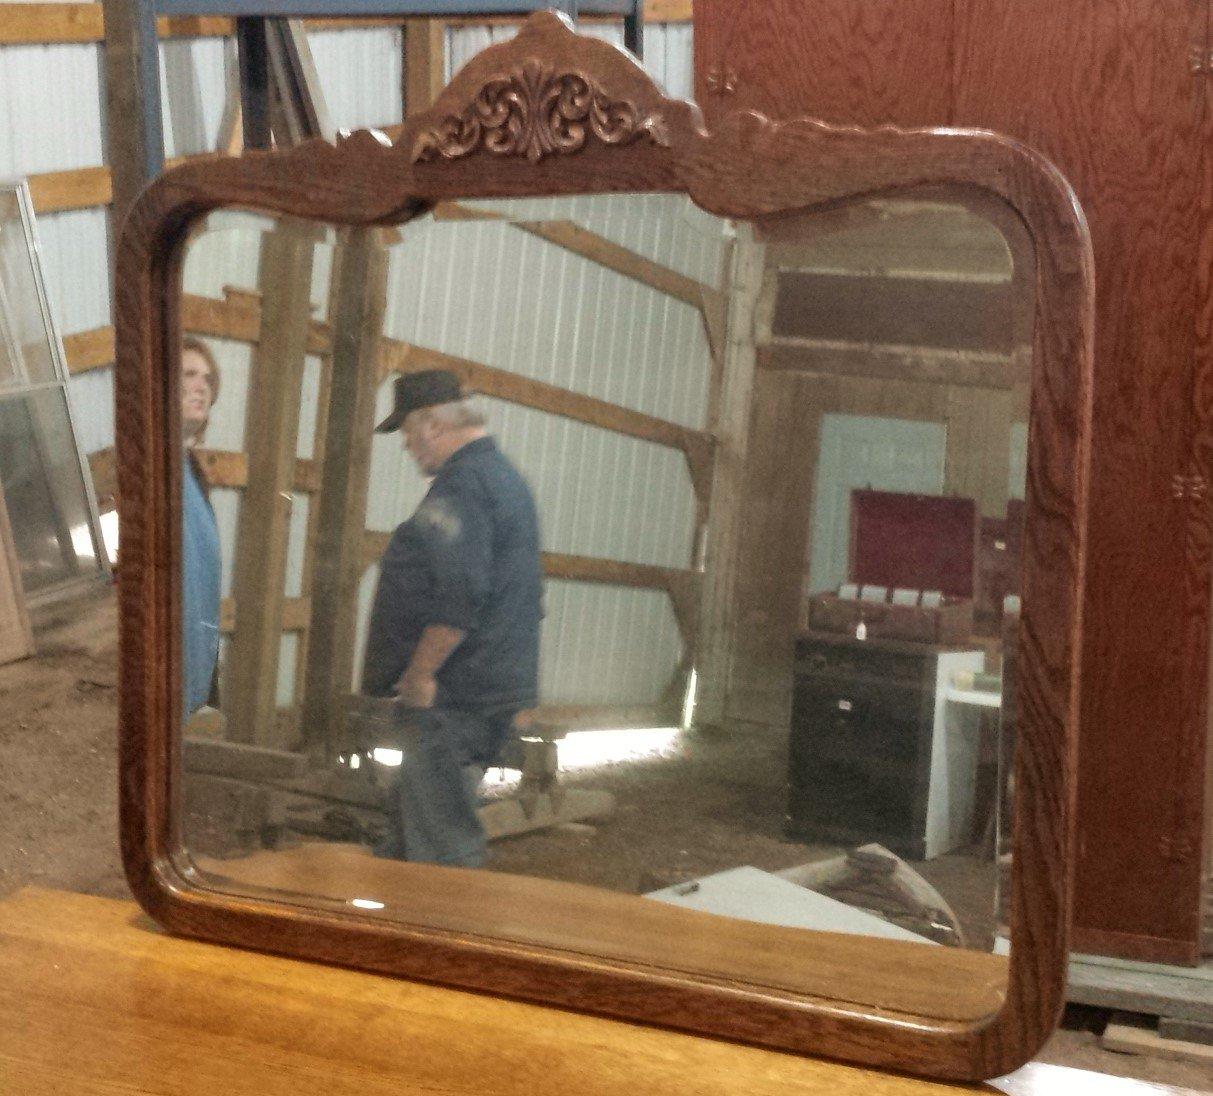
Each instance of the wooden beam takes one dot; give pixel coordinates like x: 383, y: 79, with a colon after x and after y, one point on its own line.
x: 598, y: 249
x: 969, y: 368
x: 296, y: 614
x: 717, y: 625
x: 53, y: 24
x: 87, y: 350
x: 104, y: 469
x: 938, y: 313
x: 228, y: 469
x: 401, y: 357
x: 357, y: 305
x: 238, y: 316
x: 36, y: 24
x: 682, y: 586
x: 259, y: 577
x: 424, y: 63
x: 78, y: 188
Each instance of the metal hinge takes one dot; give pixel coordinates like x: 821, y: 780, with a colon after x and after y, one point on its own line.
x: 1200, y: 61
x: 1194, y: 486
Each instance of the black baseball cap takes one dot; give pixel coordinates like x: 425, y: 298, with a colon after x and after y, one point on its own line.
x: 413, y: 391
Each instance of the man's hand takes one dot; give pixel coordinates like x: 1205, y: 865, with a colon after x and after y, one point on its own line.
x: 416, y: 690
x: 418, y: 686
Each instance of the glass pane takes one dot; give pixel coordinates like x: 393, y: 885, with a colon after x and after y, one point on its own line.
x: 25, y: 346
x: 44, y: 490
x: 820, y: 743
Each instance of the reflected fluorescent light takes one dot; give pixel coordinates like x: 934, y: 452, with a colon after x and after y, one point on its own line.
x: 366, y: 903
x: 355, y: 762
x: 82, y: 542
x: 388, y: 757
x: 109, y: 532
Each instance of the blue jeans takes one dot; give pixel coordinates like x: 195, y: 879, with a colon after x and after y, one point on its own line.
x: 432, y: 804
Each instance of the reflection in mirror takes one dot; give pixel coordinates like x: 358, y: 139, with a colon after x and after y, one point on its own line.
x: 704, y: 598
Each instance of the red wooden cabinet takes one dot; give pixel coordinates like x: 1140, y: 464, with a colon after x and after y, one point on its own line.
x: 1119, y: 96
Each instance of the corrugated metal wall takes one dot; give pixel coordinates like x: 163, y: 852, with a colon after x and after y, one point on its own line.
x: 668, y: 55
x: 492, y: 293
x: 52, y: 97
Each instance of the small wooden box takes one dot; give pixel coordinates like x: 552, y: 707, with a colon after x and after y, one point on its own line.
x: 948, y: 624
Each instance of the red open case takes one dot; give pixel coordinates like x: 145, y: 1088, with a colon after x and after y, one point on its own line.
x: 907, y: 542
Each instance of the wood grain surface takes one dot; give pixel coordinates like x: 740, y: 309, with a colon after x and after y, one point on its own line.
x: 746, y: 168
x: 859, y: 62
x: 103, y: 1004
x: 1107, y: 93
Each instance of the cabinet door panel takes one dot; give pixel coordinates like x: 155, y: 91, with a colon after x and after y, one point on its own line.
x: 1106, y: 91
x: 860, y: 61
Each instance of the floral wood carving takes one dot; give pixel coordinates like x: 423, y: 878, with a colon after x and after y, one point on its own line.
x: 536, y: 112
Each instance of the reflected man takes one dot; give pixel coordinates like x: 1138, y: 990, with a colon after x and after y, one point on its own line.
x: 454, y: 628
x: 199, y: 532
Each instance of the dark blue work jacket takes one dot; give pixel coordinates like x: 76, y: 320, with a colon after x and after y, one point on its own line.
x: 467, y: 558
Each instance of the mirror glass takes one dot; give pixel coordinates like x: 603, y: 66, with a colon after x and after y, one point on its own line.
x: 668, y: 616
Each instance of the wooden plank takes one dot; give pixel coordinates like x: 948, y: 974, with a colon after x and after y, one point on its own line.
x: 104, y: 471
x: 87, y: 350
x: 55, y: 24
x: 92, y: 974
x: 77, y: 188
x: 296, y: 614
x: 424, y: 63
x: 930, y: 312
x: 16, y: 636
x: 683, y: 587
x: 134, y: 145
x: 609, y: 572
x: 238, y: 316
x: 223, y: 468
x: 877, y: 362
x: 879, y: 62
x: 508, y: 817
x: 731, y: 426
x: 1131, y: 145
x: 1130, y: 1038
x: 598, y: 249
x: 259, y: 579
x: 32, y: 24
x: 401, y: 357
x: 239, y: 760
x: 358, y: 301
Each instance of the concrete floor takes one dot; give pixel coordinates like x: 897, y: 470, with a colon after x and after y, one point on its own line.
x: 58, y: 780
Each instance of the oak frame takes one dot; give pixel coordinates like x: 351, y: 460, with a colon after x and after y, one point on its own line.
x: 619, y: 133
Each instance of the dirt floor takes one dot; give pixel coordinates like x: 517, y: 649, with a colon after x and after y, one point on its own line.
x: 58, y: 781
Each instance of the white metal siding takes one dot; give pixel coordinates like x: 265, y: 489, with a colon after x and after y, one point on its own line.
x: 668, y: 55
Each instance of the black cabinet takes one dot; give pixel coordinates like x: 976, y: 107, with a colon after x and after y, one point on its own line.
x: 875, y: 753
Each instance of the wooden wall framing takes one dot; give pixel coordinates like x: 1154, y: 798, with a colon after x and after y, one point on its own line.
x: 238, y: 316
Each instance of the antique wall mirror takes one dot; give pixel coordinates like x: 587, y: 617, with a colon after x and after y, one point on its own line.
x: 804, y: 415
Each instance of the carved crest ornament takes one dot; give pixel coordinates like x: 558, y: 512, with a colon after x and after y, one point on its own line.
x: 537, y: 112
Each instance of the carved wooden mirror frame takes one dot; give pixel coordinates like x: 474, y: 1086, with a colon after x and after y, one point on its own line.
x: 552, y: 113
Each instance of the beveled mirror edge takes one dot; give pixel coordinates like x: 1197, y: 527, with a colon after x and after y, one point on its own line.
x: 747, y: 168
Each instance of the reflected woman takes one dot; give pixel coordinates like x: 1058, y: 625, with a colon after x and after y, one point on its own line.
x: 200, y: 533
